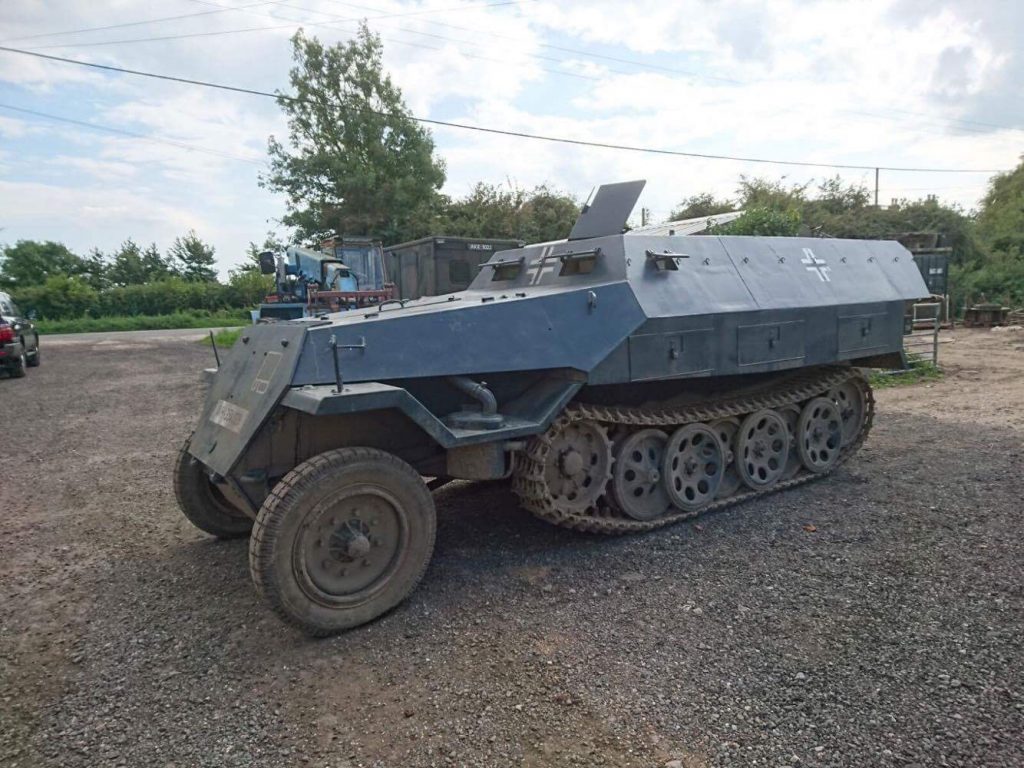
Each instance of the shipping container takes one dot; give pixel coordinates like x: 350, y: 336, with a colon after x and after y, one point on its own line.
x: 934, y: 266
x: 432, y: 266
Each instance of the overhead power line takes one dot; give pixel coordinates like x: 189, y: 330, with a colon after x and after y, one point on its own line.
x: 550, y: 46
x: 244, y: 30
x: 220, y: 9
x: 501, y: 131
x: 650, y: 66
x: 333, y: 24
x: 132, y: 134
x: 338, y: 20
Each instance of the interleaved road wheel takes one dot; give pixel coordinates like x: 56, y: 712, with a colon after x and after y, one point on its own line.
x: 343, y: 538
x: 762, y: 449
x: 820, y: 434
x: 202, y: 503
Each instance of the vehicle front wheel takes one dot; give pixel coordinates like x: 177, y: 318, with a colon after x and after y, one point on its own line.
x: 343, y: 538
x: 203, y: 503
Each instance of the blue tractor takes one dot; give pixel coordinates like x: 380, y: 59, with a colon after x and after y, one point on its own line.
x: 346, y: 273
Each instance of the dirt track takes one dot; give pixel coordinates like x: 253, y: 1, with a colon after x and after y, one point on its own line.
x: 871, y: 619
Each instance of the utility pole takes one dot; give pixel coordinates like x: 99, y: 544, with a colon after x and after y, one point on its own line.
x: 876, y: 187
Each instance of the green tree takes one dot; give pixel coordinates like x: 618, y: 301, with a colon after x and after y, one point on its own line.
x: 126, y: 265
x: 771, y: 194
x: 29, y: 262
x: 704, y: 204
x: 131, y: 265
x: 193, y: 259
x: 252, y: 254
x: 158, y: 267
x: 534, y: 216
x: 761, y: 221
x: 95, y: 270
x: 1001, y: 218
x: 59, y: 296
x: 356, y: 162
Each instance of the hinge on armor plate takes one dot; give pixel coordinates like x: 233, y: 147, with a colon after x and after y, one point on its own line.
x: 665, y: 260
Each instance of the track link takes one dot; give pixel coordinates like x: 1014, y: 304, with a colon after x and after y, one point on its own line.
x: 528, y: 471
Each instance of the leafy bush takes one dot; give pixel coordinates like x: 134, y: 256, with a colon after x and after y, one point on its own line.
x: 192, y: 319
x: 999, y: 279
x: 63, y: 298
x: 763, y: 222
x: 59, y: 296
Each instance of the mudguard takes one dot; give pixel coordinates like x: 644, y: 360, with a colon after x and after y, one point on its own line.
x: 254, y: 377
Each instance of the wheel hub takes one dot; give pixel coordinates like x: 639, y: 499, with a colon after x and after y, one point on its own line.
x: 762, y: 449
x: 351, y: 545
x: 637, y: 489
x: 820, y: 433
x: 350, y: 541
x: 694, y: 461
x: 570, y: 462
x: 578, y: 466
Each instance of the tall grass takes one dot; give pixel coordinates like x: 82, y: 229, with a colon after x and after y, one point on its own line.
x: 189, y: 319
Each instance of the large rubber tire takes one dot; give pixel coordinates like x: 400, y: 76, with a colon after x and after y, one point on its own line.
x: 17, y: 368
x: 34, y: 360
x: 204, y: 505
x: 312, y: 509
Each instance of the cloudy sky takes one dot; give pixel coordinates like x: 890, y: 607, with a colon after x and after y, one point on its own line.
x: 908, y: 83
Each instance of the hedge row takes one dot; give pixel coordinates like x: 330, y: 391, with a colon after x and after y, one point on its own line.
x: 195, y: 318
x: 64, y: 298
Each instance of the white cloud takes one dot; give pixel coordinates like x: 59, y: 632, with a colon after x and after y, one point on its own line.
x: 13, y: 129
x: 865, y: 83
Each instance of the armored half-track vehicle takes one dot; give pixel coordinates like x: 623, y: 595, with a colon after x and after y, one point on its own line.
x: 621, y: 382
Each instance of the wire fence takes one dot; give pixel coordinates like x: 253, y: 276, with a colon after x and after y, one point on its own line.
x: 921, y: 344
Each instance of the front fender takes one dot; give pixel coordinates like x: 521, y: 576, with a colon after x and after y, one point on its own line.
x: 244, y: 391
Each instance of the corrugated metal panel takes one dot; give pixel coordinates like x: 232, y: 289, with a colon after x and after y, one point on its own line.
x: 935, y: 271
x: 686, y: 226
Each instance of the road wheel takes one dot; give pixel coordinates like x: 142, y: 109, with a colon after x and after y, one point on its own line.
x: 203, y: 503
x: 762, y: 449
x: 343, y: 538
x: 18, y: 367
x: 819, y: 433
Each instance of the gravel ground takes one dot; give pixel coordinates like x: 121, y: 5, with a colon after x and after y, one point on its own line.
x: 872, y: 619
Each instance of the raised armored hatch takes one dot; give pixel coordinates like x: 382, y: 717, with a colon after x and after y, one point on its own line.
x: 623, y: 382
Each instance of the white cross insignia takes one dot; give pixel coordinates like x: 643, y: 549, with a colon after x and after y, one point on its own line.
x: 541, y: 266
x: 816, y: 265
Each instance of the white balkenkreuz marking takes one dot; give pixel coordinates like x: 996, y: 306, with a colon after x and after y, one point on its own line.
x: 542, y: 266
x: 818, y: 266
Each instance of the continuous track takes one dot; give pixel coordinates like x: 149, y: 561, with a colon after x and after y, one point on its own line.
x: 528, y: 473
